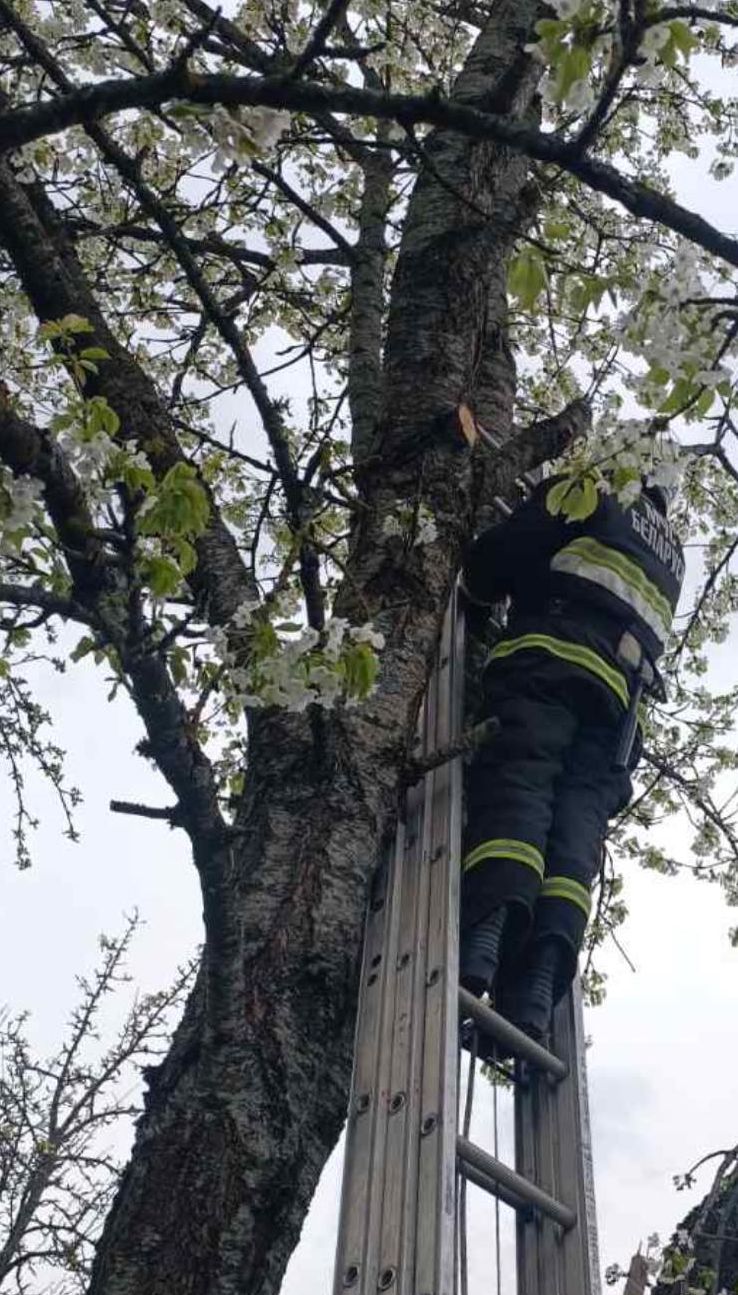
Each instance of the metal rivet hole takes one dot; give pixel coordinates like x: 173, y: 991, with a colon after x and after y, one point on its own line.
x: 429, y: 1124
x: 372, y: 979
x: 386, y: 1279
x: 396, y: 1103
x: 378, y: 904
x: 351, y: 1274
x: 403, y: 960
x: 433, y: 977
x: 376, y: 960
x: 362, y: 1103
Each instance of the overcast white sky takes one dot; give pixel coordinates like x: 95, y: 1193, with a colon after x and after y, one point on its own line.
x: 664, y: 1053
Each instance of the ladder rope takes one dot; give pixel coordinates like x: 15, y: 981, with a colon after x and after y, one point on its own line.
x: 466, y: 1126
x: 495, y: 1079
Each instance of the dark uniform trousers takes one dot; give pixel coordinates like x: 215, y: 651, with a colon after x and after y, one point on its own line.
x: 539, y: 796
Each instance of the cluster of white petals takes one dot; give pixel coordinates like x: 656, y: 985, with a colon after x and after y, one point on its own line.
x: 19, y: 498
x: 298, y: 668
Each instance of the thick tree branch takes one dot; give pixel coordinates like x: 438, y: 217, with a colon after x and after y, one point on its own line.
x: 171, y: 815
x: 90, y: 103
x: 211, y: 244
x: 101, y: 589
x: 54, y: 280
x: 37, y: 597
x: 367, y: 305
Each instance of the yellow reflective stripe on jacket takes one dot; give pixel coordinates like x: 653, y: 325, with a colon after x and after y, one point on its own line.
x: 590, y: 560
x: 566, y: 888
x: 506, y: 848
x: 576, y: 653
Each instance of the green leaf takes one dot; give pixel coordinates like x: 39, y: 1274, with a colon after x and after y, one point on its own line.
x: 360, y: 668
x: 178, y: 660
x: 681, y: 393
x: 703, y: 405
x: 658, y: 376
x: 622, y: 477
x: 574, y: 66
x: 94, y: 353
x: 682, y: 37
x: 162, y: 575
x: 75, y: 324
x: 556, y: 229
x: 556, y: 495
x: 264, y: 641
x: 181, y: 508
x: 83, y: 648
x: 582, y: 501
x: 527, y: 277
x: 573, y: 499
x: 49, y: 329
x: 186, y: 554
x: 550, y: 28
x: 132, y: 475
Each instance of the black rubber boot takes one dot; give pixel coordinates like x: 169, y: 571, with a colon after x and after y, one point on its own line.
x: 481, y: 948
x: 530, y: 1005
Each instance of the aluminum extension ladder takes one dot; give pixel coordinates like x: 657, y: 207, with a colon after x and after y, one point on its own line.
x: 404, y: 1156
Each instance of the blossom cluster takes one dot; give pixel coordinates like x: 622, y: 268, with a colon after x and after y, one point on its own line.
x: 295, y: 666
x: 240, y: 134
x: 19, y: 497
x: 410, y: 521
x: 579, y: 41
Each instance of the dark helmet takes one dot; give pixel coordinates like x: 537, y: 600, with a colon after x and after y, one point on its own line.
x: 661, y: 496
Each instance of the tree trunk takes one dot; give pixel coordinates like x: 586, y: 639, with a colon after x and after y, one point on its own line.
x: 246, y: 1108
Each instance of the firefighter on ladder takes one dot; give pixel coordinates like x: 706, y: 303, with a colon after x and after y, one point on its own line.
x: 591, y: 609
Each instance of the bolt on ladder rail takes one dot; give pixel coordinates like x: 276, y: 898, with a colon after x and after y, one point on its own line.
x: 404, y: 1156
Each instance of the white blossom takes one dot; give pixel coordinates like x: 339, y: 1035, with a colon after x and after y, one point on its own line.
x: 244, y: 613
x: 334, y: 631
x: 392, y: 526
x: 19, y: 497
x: 267, y: 126
x: 367, y: 634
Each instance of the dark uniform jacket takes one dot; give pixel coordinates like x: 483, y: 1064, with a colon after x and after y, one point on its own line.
x: 578, y: 587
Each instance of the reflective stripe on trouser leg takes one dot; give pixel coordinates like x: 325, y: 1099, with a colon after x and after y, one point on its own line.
x: 563, y: 910
x: 569, y: 889
x: 503, y: 847
x: 502, y: 870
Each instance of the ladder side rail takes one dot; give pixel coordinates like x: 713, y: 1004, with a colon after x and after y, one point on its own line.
x: 554, y: 1150
x: 397, y: 1243
x: 569, y: 1158
x: 367, y: 1117
x: 527, y: 1226
x: 378, y: 1222
x: 587, y: 1149
x: 436, y: 1206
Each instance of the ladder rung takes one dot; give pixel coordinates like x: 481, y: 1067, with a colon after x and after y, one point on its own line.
x: 489, y: 1167
x: 494, y: 1188
x: 514, y: 1040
